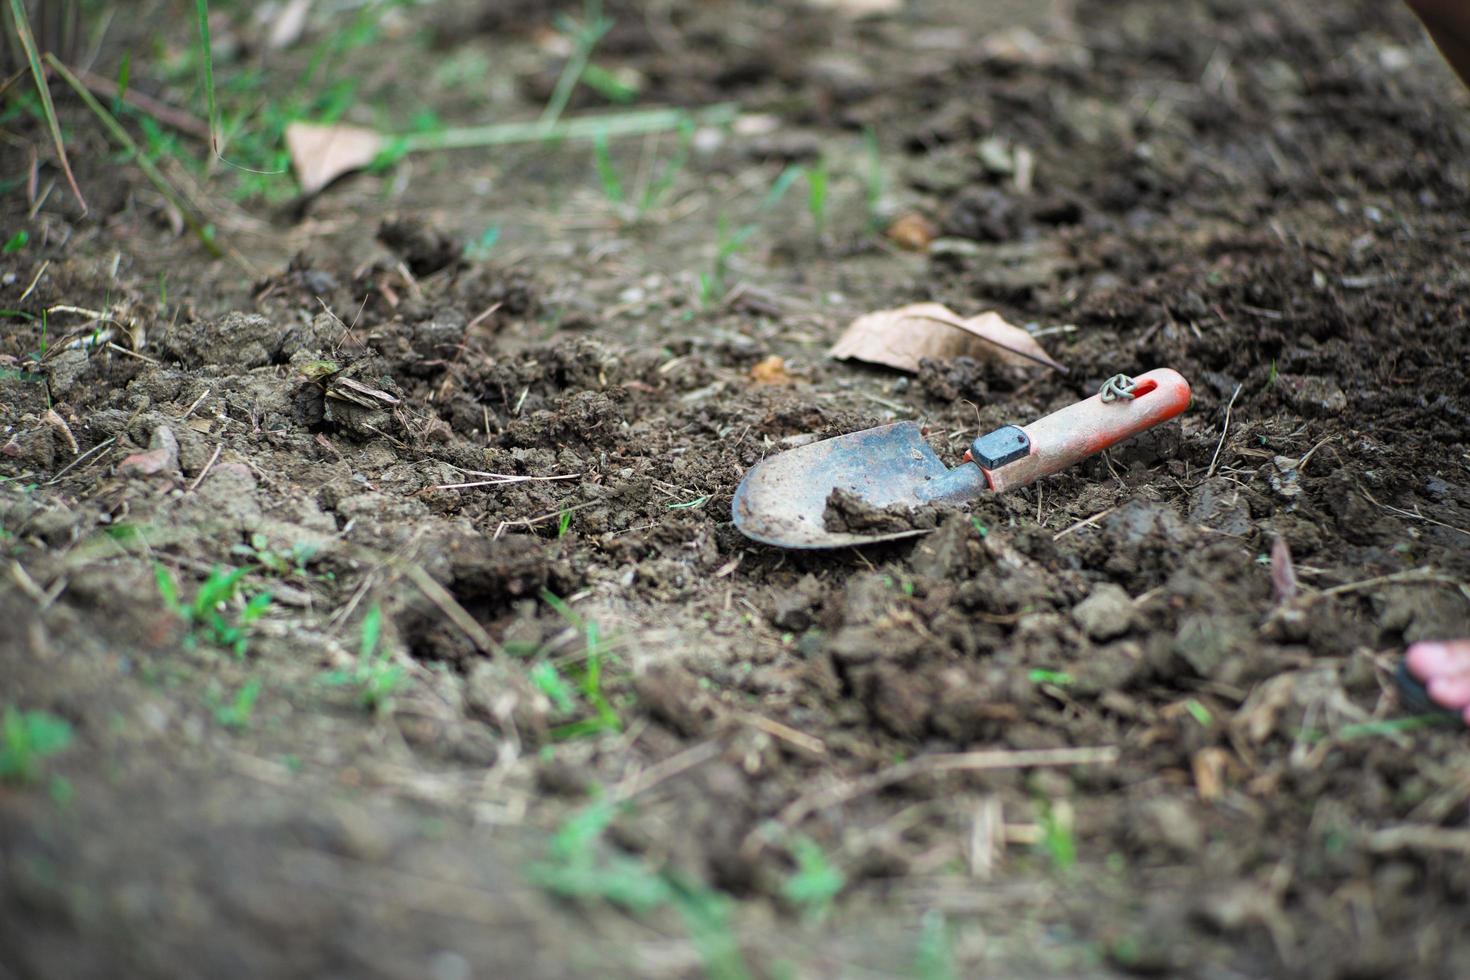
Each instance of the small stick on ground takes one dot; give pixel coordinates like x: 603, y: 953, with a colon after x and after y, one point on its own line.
x: 131, y: 353
x: 1425, y: 575
x: 830, y: 796
x: 207, y: 467
x: 807, y: 743
x: 1084, y: 523
x: 34, y: 279
x: 1214, y: 460
x: 80, y: 459
x: 1414, y: 514
x: 146, y: 104
x: 642, y: 782
x: 450, y: 607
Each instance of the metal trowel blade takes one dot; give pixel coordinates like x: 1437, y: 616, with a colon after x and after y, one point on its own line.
x: 782, y: 498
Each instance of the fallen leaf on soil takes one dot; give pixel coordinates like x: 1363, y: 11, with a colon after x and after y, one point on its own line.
x: 859, y: 8
x: 62, y: 429
x: 349, y: 390
x: 770, y: 371
x: 900, y: 338
x: 912, y: 231
x: 288, y: 24
x: 1209, y: 772
x: 321, y: 154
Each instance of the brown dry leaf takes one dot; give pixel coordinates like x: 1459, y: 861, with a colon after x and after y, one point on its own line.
x: 770, y: 371
x: 287, y: 24
x: 912, y: 231
x: 900, y: 338
x: 321, y: 154
x: 1209, y: 772
x: 859, y: 8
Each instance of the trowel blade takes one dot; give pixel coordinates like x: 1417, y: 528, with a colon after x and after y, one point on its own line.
x: 782, y: 498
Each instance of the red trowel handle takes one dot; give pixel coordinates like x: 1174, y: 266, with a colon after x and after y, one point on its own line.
x: 1088, y: 427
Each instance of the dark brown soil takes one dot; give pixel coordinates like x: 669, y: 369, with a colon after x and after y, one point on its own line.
x: 848, y: 513
x: 527, y: 455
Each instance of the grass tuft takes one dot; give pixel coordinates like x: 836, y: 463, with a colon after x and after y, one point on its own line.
x: 33, y: 57
x: 816, y: 881
x: 206, y: 613
x: 577, y: 867
x: 26, y: 738
x: 205, y: 233
x: 374, y: 675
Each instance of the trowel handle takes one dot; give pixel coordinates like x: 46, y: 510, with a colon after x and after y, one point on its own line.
x: 1088, y: 427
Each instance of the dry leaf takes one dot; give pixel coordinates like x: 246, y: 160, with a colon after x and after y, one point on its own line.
x: 321, y: 154
x: 1209, y: 772
x: 770, y: 371
x: 900, y: 338
x: 860, y: 8
x: 912, y: 231
x: 288, y: 24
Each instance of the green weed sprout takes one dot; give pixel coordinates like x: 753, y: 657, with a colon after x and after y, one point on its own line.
x: 816, y: 196
x: 374, y: 675
x: 783, y: 183
x: 934, y: 960
x: 584, y: 37
x: 280, y: 563
x: 205, y: 615
x: 26, y: 738
x: 816, y: 881
x: 655, y: 190
x: 1057, y: 840
x: 607, y: 172
x: 712, y: 284
x: 237, y: 712
x: 581, y: 691
x: 875, y: 179
x: 577, y: 868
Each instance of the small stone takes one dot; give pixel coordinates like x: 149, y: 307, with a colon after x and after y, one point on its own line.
x: 1172, y: 824
x: 1312, y: 395
x: 1105, y: 614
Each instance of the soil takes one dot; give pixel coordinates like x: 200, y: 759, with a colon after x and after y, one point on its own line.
x: 523, y: 455
x: 848, y: 513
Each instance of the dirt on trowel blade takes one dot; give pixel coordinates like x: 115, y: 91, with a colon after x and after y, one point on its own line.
x: 848, y: 513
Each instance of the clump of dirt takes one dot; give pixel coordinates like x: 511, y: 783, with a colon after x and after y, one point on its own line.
x: 847, y: 512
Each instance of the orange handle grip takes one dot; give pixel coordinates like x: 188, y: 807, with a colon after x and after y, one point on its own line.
x: 1088, y: 427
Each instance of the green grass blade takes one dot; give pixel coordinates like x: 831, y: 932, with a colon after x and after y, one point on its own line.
x: 611, y: 125
x: 206, y: 51
x: 372, y: 630
x: 218, y: 588
x: 607, y: 173
x: 154, y: 175
x: 166, y: 588
x: 571, y: 73
x: 28, y: 41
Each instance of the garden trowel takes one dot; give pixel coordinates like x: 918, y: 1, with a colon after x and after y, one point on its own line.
x: 783, y: 500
